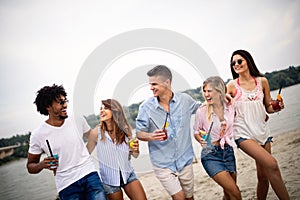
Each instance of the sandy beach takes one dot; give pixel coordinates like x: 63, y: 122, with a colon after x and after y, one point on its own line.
x: 285, y: 148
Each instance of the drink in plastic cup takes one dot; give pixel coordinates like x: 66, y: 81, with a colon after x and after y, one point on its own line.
x: 56, y: 163
x: 166, y: 134
x: 279, y: 98
x: 275, y: 104
x: 131, y: 142
x: 166, y: 125
x: 203, y: 134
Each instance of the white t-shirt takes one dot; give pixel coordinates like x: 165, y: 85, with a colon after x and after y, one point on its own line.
x: 74, y: 160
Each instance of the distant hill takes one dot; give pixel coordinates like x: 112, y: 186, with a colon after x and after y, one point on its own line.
x: 286, y: 77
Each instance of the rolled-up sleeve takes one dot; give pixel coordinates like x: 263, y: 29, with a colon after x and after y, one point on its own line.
x: 142, y: 120
x: 197, y: 122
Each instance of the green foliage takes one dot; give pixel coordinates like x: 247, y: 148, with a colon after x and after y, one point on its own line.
x: 6, y: 159
x: 131, y: 113
x: 17, y: 139
x: 195, y: 94
x: 286, y: 77
x: 19, y: 152
x: 92, y: 120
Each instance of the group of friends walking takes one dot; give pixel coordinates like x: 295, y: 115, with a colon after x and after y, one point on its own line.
x: 236, y: 112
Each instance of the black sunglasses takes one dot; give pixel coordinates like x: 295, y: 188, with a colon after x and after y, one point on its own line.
x: 62, y: 102
x: 239, y: 61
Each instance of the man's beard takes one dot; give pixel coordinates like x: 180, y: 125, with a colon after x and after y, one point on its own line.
x: 63, y: 117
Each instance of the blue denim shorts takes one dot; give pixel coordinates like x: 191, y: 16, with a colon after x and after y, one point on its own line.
x: 238, y: 141
x: 218, y: 160
x: 87, y: 188
x: 109, y: 189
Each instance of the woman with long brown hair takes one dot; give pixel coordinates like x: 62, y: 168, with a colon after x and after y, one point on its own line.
x: 112, y: 137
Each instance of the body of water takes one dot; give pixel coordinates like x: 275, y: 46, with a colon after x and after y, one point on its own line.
x: 17, y: 183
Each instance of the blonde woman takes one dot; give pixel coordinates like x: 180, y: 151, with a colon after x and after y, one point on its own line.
x: 216, y: 117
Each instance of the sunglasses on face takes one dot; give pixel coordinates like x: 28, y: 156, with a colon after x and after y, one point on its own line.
x: 62, y: 102
x: 104, y: 107
x: 239, y: 61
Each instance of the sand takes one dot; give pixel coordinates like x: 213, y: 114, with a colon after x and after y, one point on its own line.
x: 286, y: 150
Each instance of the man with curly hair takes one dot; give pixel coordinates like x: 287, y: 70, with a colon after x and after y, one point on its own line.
x: 75, y: 174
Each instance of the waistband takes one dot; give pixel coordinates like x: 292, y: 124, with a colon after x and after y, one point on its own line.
x: 216, y: 143
x: 218, y: 147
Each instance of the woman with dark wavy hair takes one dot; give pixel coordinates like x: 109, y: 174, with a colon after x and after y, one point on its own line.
x: 252, y: 100
x: 112, y: 140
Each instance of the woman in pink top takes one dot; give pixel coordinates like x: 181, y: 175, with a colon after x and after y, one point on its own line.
x: 215, y: 117
x: 251, y: 93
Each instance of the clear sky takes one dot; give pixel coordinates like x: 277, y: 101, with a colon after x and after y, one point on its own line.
x: 45, y: 42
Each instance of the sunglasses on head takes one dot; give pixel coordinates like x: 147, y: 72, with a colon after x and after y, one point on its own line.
x: 62, y: 102
x: 239, y: 61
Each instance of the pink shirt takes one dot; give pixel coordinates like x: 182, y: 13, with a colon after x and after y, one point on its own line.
x: 201, y: 123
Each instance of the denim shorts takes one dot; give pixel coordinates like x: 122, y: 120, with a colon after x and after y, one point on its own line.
x: 218, y: 160
x: 238, y: 141
x: 87, y: 188
x: 109, y: 189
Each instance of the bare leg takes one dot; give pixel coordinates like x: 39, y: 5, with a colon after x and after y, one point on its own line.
x: 263, y: 181
x: 135, y: 190
x: 115, y: 196
x: 191, y: 198
x: 228, y: 183
x: 178, y: 196
x: 268, y: 162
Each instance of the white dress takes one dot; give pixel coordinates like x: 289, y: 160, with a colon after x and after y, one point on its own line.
x: 250, y: 120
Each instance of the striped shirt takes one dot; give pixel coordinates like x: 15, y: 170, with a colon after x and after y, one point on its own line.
x: 113, y: 158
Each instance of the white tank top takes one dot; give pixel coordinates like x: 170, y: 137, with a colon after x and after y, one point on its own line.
x: 250, y: 119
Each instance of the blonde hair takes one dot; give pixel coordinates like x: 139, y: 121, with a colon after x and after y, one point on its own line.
x: 218, y: 84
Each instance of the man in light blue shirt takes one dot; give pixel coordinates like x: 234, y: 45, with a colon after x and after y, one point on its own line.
x: 164, y: 121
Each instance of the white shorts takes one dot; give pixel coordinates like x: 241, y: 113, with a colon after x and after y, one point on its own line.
x: 174, y: 182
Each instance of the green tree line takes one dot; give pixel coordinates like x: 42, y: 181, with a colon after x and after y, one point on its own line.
x: 286, y: 77
x: 19, y: 152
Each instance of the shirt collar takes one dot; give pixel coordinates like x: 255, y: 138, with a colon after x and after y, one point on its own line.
x: 226, y: 108
x: 173, y: 100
